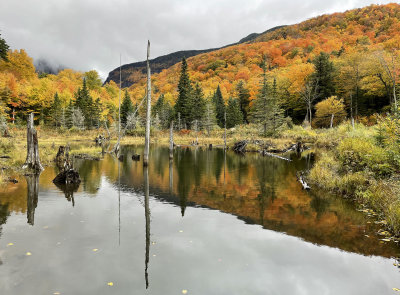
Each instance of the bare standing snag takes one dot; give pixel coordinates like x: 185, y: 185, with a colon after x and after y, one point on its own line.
x: 32, y: 158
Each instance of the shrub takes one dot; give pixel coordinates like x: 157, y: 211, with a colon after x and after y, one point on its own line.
x: 358, y: 154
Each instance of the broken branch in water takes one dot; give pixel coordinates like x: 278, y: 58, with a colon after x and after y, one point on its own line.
x: 300, y: 178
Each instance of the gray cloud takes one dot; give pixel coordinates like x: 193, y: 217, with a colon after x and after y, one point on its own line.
x: 90, y: 34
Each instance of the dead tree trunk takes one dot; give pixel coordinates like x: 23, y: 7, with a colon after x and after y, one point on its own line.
x: 32, y: 158
x: 148, y: 112
x: 171, y: 140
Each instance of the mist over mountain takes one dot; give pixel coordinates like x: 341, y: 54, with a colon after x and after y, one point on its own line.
x: 44, y: 66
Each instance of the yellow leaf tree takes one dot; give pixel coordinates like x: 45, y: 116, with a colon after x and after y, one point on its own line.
x: 329, y: 112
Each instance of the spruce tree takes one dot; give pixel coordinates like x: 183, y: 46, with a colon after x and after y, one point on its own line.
x: 3, y: 49
x: 199, y: 104
x: 209, y: 120
x: 266, y: 108
x: 126, y: 108
x: 244, y: 100
x: 323, y: 76
x: 97, y: 110
x: 164, y: 111
x: 219, y: 107
x: 56, y: 111
x: 84, y: 102
x: 234, y: 115
x: 184, y: 103
x: 68, y: 115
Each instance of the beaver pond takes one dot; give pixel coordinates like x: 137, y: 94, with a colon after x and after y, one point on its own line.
x: 206, y: 222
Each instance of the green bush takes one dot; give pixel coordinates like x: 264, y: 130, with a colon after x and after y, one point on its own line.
x: 357, y: 154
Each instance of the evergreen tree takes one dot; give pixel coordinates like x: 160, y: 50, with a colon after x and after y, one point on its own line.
x: 234, y: 115
x: 3, y: 49
x: 266, y: 108
x: 56, y: 111
x: 244, y: 100
x: 164, y: 111
x: 209, y: 120
x: 199, y: 104
x: 219, y: 107
x: 78, y: 119
x: 184, y: 103
x: 68, y: 115
x: 126, y: 108
x: 323, y: 76
x: 84, y: 102
x: 97, y: 110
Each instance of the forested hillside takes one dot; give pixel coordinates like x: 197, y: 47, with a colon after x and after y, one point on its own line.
x: 134, y: 72
x: 351, y: 55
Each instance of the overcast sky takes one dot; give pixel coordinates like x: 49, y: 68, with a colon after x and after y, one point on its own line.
x: 90, y: 34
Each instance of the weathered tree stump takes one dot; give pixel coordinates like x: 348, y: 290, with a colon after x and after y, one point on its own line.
x: 32, y: 158
x: 68, y: 176
x: 60, y: 157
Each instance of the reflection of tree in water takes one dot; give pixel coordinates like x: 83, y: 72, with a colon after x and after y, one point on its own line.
x: 90, y: 173
x: 218, y: 163
x: 184, y: 166
x: 239, y: 165
x: 4, y: 213
x: 159, y: 162
x: 147, y: 218
x: 266, y: 174
x: 32, y: 182
x: 69, y: 190
x: 319, y: 204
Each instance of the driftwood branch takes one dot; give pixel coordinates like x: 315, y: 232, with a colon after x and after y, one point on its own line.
x: 300, y: 178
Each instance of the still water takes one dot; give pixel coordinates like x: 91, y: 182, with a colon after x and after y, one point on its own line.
x: 204, y: 223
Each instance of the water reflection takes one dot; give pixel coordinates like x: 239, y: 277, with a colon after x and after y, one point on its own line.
x: 32, y: 182
x: 188, y: 194
x: 147, y: 218
x: 256, y: 189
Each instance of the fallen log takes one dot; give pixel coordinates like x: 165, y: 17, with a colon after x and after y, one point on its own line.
x: 265, y: 153
x: 300, y: 178
x: 86, y: 157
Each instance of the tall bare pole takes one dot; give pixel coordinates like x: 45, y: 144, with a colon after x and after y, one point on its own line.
x: 119, y: 102
x: 147, y: 137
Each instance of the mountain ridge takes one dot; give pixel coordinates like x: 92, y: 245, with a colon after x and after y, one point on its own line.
x: 134, y: 72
